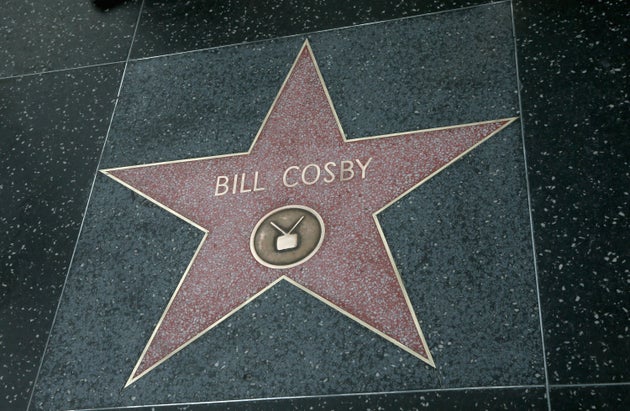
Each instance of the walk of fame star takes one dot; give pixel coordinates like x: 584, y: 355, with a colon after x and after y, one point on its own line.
x: 300, y: 206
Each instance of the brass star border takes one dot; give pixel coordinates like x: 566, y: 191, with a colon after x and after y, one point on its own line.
x: 303, y: 161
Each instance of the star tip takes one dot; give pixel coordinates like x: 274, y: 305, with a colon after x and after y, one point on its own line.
x: 307, y: 46
x: 129, y: 382
x: 508, y: 120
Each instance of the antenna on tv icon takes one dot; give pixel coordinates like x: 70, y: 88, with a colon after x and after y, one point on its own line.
x: 286, y: 241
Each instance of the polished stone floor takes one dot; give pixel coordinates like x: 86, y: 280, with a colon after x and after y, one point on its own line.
x: 515, y: 258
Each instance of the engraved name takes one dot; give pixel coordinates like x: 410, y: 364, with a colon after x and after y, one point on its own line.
x: 295, y: 176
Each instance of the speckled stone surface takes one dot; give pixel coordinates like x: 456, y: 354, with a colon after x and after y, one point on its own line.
x: 58, y: 34
x: 57, y: 123
x: 574, y: 68
x: 170, y: 27
x: 461, y: 241
x: 612, y: 397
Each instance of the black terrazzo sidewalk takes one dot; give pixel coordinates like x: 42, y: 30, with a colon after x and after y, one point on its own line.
x: 512, y: 324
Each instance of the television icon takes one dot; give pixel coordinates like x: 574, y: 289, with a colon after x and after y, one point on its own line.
x: 288, y: 240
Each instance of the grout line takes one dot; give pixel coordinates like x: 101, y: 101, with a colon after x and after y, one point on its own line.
x: 85, y: 212
x: 308, y: 33
x: 531, y: 217
x: 39, y: 73
x: 133, y: 40
x: 358, y: 394
x: 326, y: 396
x: 592, y: 385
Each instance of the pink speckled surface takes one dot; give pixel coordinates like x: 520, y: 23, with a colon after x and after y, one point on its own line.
x: 352, y: 270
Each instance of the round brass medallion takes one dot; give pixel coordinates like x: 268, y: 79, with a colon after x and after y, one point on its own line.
x: 287, y: 236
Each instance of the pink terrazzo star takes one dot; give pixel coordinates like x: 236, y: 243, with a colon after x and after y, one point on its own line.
x: 299, y: 157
